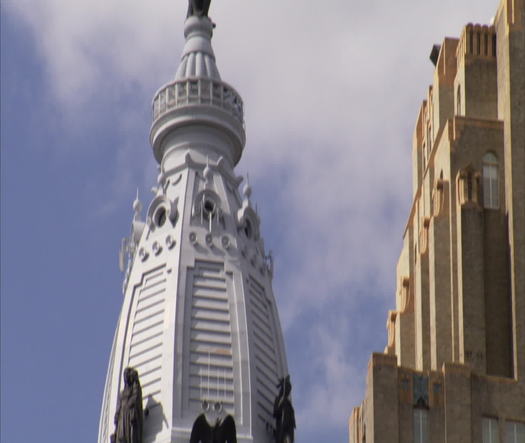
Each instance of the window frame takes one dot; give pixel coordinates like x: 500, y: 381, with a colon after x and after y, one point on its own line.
x: 511, y: 431
x: 490, y: 175
x: 420, y: 425
x: 493, y: 430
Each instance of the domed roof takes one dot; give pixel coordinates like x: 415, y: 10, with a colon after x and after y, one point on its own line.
x: 198, y: 59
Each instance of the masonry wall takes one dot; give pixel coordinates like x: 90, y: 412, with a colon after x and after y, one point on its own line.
x: 510, y: 49
x: 456, y: 340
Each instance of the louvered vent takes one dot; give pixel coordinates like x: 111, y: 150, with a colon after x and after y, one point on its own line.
x: 264, y: 346
x: 145, y: 353
x: 211, y: 362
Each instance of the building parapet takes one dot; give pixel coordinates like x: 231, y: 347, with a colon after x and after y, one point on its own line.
x: 477, y: 40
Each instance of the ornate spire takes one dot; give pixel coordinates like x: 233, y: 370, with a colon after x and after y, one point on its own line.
x: 198, y: 59
x: 198, y: 102
x: 199, y: 321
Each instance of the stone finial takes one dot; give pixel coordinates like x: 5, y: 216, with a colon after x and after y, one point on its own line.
x: 207, y: 173
x: 137, y: 206
x: 247, y: 189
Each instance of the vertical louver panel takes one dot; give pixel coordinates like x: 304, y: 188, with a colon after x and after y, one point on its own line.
x: 266, y: 371
x: 211, y: 361
x: 145, y: 350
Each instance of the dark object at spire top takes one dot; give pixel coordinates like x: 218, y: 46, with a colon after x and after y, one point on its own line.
x: 199, y: 8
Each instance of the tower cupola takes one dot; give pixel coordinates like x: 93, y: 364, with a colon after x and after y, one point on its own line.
x: 197, y: 109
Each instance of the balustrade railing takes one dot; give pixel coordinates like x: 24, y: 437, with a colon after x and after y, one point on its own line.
x: 199, y: 91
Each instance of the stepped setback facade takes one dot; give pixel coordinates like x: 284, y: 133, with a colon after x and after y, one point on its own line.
x: 454, y: 366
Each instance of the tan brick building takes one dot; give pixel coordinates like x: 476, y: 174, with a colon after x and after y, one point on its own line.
x: 454, y: 367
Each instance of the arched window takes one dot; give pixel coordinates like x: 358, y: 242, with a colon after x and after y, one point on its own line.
x: 490, y: 181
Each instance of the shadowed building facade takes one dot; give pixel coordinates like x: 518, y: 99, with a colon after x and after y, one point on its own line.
x: 454, y: 366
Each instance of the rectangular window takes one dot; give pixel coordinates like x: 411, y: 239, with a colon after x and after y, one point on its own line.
x: 490, y: 430
x: 515, y: 432
x: 420, y: 425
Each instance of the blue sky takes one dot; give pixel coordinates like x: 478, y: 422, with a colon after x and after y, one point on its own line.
x: 331, y: 92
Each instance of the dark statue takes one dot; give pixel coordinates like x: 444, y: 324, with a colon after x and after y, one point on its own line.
x: 284, y: 413
x: 129, y: 416
x: 222, y: 432
x: 199, y: 8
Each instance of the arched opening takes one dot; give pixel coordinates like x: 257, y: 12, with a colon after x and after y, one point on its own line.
x: 208, y: 208
x: 160, y: 216
x: 248, y: 229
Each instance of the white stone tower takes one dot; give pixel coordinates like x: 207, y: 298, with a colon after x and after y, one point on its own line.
x: 199, y: 321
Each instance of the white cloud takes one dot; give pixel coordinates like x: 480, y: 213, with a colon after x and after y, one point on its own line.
x: 329, y: 396
x: 331, y: 91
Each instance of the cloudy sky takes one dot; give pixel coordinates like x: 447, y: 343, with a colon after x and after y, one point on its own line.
x: 331, y: 91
